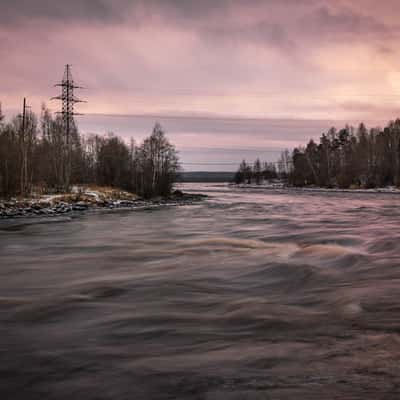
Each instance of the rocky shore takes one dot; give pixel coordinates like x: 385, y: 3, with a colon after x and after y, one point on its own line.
x: 70, y: 204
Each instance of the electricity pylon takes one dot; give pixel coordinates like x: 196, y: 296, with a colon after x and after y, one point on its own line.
x: 68, y: 101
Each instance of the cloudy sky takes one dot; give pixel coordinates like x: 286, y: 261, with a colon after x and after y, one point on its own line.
x: 227, y: 78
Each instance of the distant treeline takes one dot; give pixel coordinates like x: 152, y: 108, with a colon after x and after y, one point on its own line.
x: 37, y: 155
x: 350, y: 157
x: 258, y: 171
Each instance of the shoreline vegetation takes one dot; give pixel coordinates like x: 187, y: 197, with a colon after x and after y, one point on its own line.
x: 351, y: 159
x: 48, y: 155
x: 50, y: 169
x: 47, y: 168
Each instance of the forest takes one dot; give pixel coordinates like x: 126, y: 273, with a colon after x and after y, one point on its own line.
x: 35, y: 156
x: 264, y: 171
x: 346, y: 158
x: 350, y: 158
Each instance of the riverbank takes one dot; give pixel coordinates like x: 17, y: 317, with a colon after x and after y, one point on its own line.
x: 282, y: 186
x: 88, y: 199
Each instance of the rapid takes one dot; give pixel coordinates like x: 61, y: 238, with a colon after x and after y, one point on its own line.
x: 249, y: 294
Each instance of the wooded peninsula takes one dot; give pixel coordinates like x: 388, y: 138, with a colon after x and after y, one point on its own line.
x: 348, y: 158
x: 36, y: 156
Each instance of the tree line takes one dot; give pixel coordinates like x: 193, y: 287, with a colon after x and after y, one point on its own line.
x: 264, y: 171
x: 346, y: 158
x: 34, y: 155
x: 350, y: 157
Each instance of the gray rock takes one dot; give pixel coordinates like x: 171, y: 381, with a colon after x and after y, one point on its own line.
x: 77, y: 207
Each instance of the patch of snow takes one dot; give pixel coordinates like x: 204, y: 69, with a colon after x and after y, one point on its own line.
x: 50, y: 198
x: 92, y: 193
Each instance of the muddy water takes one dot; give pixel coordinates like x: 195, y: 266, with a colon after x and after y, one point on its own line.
x: 252, y: 294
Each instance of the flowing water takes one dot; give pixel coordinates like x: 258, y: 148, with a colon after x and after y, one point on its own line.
x: 251, y: 294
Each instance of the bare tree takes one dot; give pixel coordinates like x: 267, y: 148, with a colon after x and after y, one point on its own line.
x: 257, y: 173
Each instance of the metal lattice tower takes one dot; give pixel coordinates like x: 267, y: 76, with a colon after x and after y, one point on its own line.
x: 68, y: 101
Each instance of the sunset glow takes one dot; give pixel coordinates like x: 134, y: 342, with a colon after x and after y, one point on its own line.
x: 288, y: 60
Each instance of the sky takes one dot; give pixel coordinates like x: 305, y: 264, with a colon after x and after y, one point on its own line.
x: 228, y: 79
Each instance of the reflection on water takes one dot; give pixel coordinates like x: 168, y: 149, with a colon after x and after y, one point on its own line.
x: 253, y: 294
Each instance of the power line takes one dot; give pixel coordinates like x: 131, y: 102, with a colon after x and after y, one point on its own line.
x: 225, y: 163
x: 271, y: 122
x: 209, y: 163
x: 200, y: 92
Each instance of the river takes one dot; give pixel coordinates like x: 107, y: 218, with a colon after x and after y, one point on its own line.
x: 250, y: 294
